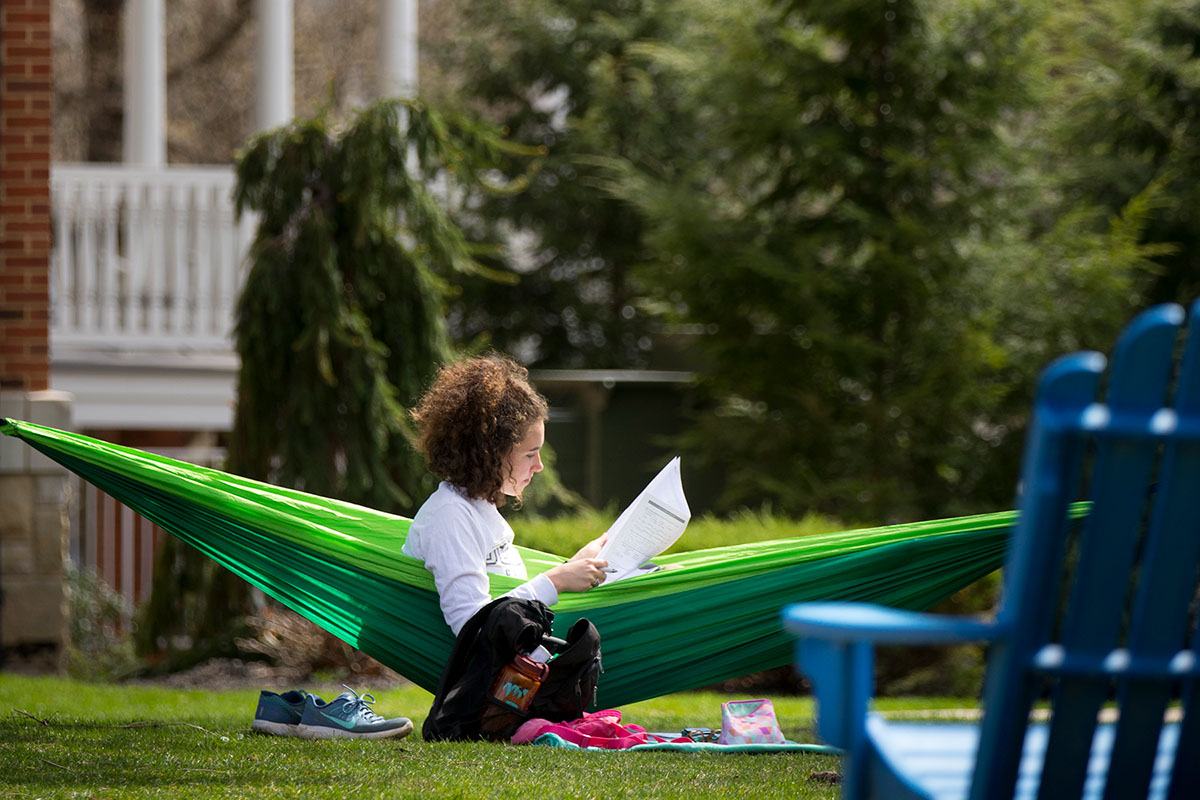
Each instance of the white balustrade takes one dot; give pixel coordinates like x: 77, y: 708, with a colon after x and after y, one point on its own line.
x: 145, y: 258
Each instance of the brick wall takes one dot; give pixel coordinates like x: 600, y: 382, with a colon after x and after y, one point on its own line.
x: 25, y: 110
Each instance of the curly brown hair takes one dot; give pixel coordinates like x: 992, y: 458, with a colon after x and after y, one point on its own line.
x: 473, y: 415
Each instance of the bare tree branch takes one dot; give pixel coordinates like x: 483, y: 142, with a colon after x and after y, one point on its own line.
x: 218, y: 44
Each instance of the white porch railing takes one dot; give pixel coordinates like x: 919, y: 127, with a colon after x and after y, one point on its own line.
x: 145, y: 258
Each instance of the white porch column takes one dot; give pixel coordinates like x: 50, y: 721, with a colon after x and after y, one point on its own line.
x: 397, y: 48
x: 145, y: 137
x: 275, y: 60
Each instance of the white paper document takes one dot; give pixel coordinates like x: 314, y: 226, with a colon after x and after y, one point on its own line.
x: 652, y: 523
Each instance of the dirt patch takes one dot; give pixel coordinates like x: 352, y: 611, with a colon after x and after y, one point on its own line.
x: 31, y: 659
x: 286, y: 652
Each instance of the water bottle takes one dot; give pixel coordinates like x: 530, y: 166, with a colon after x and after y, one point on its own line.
x: 519, y: 681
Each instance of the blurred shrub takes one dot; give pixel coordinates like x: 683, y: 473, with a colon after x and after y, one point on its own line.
x: 101, y: 637
x: 565, y: 535
x: 301, y: 650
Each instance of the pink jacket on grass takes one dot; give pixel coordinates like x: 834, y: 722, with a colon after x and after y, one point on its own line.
x: 598, y: 729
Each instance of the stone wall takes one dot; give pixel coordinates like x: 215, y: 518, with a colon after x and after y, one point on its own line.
x: 34, y: 528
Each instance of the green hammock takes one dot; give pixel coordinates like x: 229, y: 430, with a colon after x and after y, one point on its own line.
x: 711, y: 615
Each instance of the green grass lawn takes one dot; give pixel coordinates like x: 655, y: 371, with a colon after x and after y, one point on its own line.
x: 62, y: 738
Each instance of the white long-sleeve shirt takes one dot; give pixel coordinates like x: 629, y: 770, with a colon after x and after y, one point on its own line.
x: 461, y: 539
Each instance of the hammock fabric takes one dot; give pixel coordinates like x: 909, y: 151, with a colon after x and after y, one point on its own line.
x: 711, y: 615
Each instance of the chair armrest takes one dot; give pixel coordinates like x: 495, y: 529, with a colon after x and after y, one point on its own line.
x: 862, y: 622
x: 834, y: 648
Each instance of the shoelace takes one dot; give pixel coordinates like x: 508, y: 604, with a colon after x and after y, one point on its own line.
x: 362, y: 705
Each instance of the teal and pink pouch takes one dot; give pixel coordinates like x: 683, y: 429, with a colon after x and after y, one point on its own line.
x: 749, y: 722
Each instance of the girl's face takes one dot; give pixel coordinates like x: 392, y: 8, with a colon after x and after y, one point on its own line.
x: 524, y: 460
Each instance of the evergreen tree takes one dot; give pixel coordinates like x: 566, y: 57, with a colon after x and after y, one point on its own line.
x: 340, y: 325
x: 1123, y: 89
x: 849, y: 149
x: 561, y: 73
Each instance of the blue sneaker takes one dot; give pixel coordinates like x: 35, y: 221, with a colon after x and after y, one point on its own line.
x: 348, y: 716
x: 279, y: 714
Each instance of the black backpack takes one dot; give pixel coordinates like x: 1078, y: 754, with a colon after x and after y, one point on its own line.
x: 464, y: 708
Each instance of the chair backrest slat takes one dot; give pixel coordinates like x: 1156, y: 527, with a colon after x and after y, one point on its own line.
x: 1166, y: 585
x: 1054, y: 449
x: 1100, y: 585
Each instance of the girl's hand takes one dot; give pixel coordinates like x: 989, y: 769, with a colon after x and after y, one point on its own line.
x: 577, y: 575
x: 591, y: 549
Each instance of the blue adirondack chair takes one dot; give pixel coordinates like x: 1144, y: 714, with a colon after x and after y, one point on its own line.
x: 1098, y: 607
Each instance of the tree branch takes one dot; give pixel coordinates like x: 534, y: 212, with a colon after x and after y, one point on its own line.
x: 218, y: 44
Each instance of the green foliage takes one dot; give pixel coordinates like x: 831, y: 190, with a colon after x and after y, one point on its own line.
x: 1069, y: 287
x: 1123, y: 87
x: 340, y: 325
x: 100, y: 646
x: 842, y: 153
x: 880, y: 220
x: 555, y: 73
x: 564, y: 535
